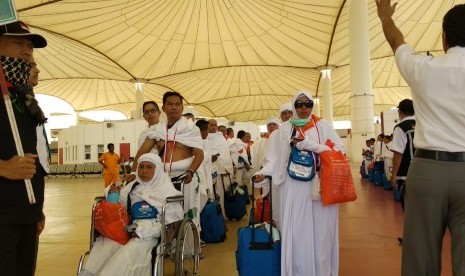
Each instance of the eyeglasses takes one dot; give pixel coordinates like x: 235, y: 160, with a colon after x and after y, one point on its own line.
x: 300, y: 104
x: 147, y: 112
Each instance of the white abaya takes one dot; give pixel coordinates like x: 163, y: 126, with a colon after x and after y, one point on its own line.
x: 309, y: 231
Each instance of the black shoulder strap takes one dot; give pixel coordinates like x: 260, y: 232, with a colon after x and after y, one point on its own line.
x: 128, y: 205
x: 293, y: 132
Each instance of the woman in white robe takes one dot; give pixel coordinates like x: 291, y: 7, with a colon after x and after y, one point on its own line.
x: 309, y: 230
x: 108, y: 257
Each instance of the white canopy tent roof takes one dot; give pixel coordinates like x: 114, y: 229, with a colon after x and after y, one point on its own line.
x: 240, y: 59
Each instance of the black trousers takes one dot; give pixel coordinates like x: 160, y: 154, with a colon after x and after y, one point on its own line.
x: 401, y: 188
x: 18, y: 249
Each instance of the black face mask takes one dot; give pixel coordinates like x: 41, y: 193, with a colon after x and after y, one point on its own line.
x: 17, y: 73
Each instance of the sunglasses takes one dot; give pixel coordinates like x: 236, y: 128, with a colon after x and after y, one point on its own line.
x: 147, y: 112
x: 300, y: 104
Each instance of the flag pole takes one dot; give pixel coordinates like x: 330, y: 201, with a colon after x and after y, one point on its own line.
x: 15, y: 131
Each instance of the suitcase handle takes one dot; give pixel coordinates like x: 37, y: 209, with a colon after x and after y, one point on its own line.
x: 253, y: 245
x: 222, y: 180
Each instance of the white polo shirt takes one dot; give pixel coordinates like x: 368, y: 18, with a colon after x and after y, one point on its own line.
x: 42, y: 148
x: 438, y: 94
x: 399, y: 139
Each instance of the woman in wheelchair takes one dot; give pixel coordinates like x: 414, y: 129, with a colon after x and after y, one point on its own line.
x: 144, y: 197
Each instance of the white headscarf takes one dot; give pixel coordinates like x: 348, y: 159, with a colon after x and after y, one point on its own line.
x: 156, y: 190
x: 159, y: 173
x: 285, y: 106
x: 297, y: 95
x: 272, y: 120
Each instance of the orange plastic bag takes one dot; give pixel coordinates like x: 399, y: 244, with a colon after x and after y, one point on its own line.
x: 110, y: 220
x: 337, y: 184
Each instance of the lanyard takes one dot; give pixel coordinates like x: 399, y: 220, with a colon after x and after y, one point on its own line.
x: 172, y: 150
x: 319, y: 142
x: 317, y: 131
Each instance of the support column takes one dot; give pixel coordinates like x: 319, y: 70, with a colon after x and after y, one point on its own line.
x: 327, y: 99
x: 361, y: 95
x: 316, y: 107
x: 77, y: 112
x: 137, y: 113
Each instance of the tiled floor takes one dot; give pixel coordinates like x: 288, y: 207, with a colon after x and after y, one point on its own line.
x: 368, y: 231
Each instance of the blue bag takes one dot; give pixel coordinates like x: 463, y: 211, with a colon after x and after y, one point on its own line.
x: 245, y: 195
x: 211, y: 221
x: 378, y: 178
x: 302, y: 164
x: 259, y: 249
x: 371, y: 175
x: 255, y: 255
x: 234, y: 201
x: 143, y: 210
x: 386, y: 182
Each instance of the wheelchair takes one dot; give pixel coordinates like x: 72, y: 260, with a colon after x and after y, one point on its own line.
x: 179, y: 241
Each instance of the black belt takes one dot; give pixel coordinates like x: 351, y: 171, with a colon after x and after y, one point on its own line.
x: 440, y: 155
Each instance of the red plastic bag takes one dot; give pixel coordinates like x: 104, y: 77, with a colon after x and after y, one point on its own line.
x: 262, y: 210
x: 337, y: 184
x: 110, y: 220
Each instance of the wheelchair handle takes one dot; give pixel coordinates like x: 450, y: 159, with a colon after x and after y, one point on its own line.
x: 179, y: 178
x: 99, y: 198
x: 174, y: 198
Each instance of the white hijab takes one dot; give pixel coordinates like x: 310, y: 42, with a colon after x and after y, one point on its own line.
x: 155, y: 191
x: 272, y: 119
x: 285, y: 106
x: 297, y: 95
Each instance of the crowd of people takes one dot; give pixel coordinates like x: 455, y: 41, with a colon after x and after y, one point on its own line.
x: 427, y: 153
x: 199, y: 151
x: 389, y: 156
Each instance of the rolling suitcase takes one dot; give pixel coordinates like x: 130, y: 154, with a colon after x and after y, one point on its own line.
x: 386, y: 182
x: 362, y: 170
x: 259, y: 249
x: 378, y: 178
x: 211, y: 221
x: 234, y: 202
x: 245, y: 195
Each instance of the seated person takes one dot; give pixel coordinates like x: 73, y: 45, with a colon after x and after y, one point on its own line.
x: 108, y: 257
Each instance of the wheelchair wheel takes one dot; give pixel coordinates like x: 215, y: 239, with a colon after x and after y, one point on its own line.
x: 187, y: 249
